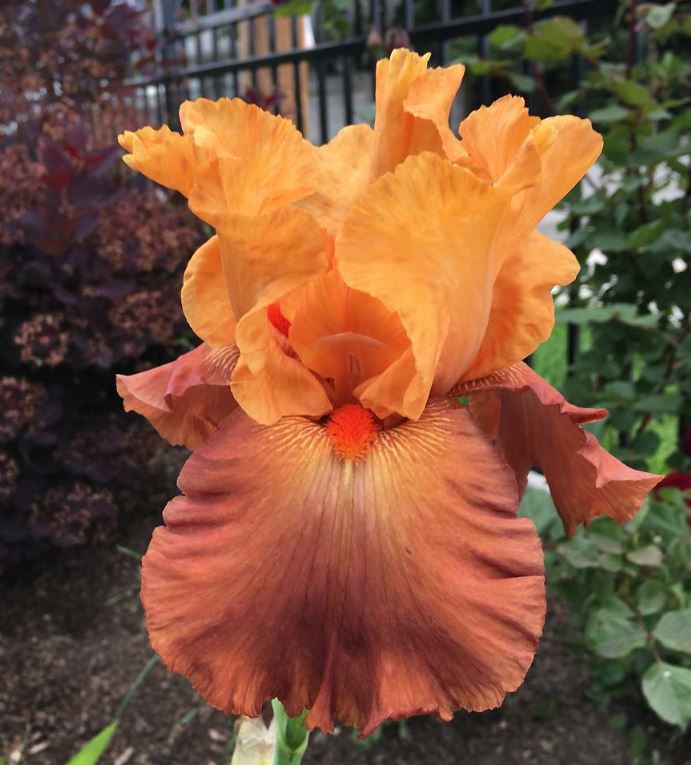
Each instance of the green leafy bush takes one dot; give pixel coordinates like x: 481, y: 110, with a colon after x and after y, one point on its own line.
x: 629, y: 222
x: 629, y: 591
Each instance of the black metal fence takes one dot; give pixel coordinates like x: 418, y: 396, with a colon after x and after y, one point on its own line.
x: 233, y: 48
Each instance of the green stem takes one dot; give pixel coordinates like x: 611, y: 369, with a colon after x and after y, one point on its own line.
x: 291, y: 736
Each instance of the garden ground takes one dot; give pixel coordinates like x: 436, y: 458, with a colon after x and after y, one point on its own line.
x: 72, y: 641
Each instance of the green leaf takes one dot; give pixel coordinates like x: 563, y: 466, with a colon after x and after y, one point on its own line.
x: 633, y: 93
x: 523, y: 82
x: 506, y: 36
x: 680, y: 240
x: 646, y: 234
x: 613, y: 635
x: 674, y: 630
x: 610, y: 114
x: 538, y: 506
x: 668, y: 691
x: 607, y: 535
x: 651, y: 555
x: 659, y: 403
x: 623, y: 312
x: 658, y: 15
x: 579, y: 552
x: 93, y: 750
x: 650, y: 597
x: 293, y: 8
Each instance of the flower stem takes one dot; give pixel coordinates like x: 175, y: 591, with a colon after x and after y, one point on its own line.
x: 291, y: 736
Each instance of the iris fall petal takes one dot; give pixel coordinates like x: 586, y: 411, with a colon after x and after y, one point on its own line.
x: 186, y: 399
x: 534, y: 426
x: 363, y: 590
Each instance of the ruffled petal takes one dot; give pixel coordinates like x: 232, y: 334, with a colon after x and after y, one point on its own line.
x: 234, y: 158
x: 205, y: 299
x: 412, y: 110
x: 426, y: 240
x: 345, y: 336
x: 365, y: 590
x: 494, y: 134
x: 534, y: 426
x: 270, y: 255
x: 522, y: 313
x: 429, y: 100
x: 344, y: 166
x: 539, y: 161
x: 393, y: 126
x: 260, y: 161
x: 186, y: 399
x: 166, y: 157
x: 269, y: 382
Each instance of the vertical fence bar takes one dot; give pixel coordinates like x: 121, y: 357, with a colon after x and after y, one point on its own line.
x: 348, y: 88
x: 297, y: 80
x: 274, y: 69
x: 409, y: 14
x: 445, y: 14
x: 484, y: 52
x: 321, y: 98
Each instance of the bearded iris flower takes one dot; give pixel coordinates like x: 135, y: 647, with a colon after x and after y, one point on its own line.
x: 347, y: 537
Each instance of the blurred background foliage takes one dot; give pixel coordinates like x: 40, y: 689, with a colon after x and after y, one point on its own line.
x: 90, y: 268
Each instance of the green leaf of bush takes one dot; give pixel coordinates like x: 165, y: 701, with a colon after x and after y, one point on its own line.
x: 668, y: 691
x: 609, y: 114
x: 650, y: 597
x: 651, y: 555
x: 674, y: 630
x: 92, y: 751
x: 612, y: 634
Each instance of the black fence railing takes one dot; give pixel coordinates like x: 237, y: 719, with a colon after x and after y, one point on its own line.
x: 294, y: 65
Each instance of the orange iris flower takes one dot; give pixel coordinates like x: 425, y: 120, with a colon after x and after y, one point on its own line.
x: 347, y: 538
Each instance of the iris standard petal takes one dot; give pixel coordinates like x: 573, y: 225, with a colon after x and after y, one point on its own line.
x: 367, y: 589
x: 270, y: 382
x: 265, y: 260
x: 186, y: 399
x: 345, y: 336
x: 494, y: 134
x: 426, y: 240
x: 344, y: 173
x: 522, y: 312
x: 261, y: 160
x: 533, y: 425
x: 166, y: 157
x: 429, y: 101
x: 539, y: 161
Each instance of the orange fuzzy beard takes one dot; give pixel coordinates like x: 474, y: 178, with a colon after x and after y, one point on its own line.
x: 352, y: 429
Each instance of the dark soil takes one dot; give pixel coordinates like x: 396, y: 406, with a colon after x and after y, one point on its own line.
x: 72, y: 641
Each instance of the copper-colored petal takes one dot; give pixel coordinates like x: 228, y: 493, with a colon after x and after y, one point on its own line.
x: 534, y: 426
x: 395, y: 584
x: 186, y: 399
